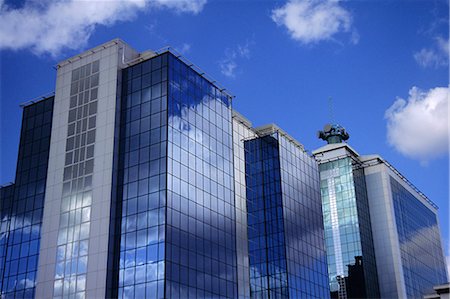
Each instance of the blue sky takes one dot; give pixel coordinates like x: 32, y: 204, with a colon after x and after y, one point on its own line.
x: 384, y: 63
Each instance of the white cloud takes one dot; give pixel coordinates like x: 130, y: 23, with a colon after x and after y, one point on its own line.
x: 418, y: 127
x: 229, y: 64
x: 185, y: 48
x: 228, y: 68
x: 312, y: 21
x: 51, y: 26
x: 436, y: 56
x: 192, y: 6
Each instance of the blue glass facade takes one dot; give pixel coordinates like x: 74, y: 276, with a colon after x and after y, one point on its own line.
x: 175, y: 179
x: 6, y: 202
x: 351, y: 258
x: 266, y: 238
x: 303, y: 222
x: 286, y: 248
x: 22, y: 204
x: 200, y: 244
x: 420, y: 243
x: 142, y: 179
x: 368, y: 262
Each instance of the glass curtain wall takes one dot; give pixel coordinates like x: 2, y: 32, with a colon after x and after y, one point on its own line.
x: 176, y: 181
x: 420, y: 246
x: 142, y: 179
x: 200, y: 236
x: 266, y: 235
x: 303, y: 222
x: 22, y: 235
x: 349, y: 243
x: 285, y: 228
x: 6, y: 202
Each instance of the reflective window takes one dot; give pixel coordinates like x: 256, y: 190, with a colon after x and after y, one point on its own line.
x: 349, y: 243
x: 285, y: 230
x: 74, y: 226
x: 266, y: 238
x: 305, y: 250
x: 420, y: 243
x: 201, y: 246
x: 176, y: 181
x: 142, y: 173
x: 22, y: 204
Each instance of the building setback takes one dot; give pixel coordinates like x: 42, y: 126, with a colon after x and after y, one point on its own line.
x: 378, y: 222
x: 285, y: 231
x: 136, y: 185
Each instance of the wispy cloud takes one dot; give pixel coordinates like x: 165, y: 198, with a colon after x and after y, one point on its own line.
x: 52, y: 26
x: 418, y: 126
x: 312, y: 21
x: 184, y: 48
x: 435, y: 56
x: 229, y: 64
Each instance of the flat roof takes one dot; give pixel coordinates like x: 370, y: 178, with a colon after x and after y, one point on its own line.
x: 366, y: 160
x: 272, y: 128
x: 103, y: 46
x: 242, y: 119
x: 37, y: 99
x: 333, y: 146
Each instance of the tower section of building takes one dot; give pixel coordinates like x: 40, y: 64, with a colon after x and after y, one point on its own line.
x: 22, y: 204
x: 406, y: 232
x: 285, y: 231
x: 372, y: 210
x: 80, y: 193
x: 177, y: 184
x: 348, y: 234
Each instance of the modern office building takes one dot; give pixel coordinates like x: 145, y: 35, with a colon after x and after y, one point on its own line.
x: 283, y: 197
x: 348, y: 235
x: 134, y: 181
x: 375, y: 220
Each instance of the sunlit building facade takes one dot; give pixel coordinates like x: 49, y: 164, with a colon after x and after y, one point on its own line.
x: 405, y: 227
x: 132, y: 182
x: 382, y: 235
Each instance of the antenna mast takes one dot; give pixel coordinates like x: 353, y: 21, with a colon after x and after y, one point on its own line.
x: 330, y: 110
x: 332, y: 132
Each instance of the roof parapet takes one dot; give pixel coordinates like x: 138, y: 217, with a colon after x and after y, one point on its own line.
x: 37, y: 99
x: 103, y: 46
x: 242, y: 119
x: 376, y: 159
x: 273, y: 128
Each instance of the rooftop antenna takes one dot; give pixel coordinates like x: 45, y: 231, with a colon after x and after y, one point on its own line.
x: 333, y: 132
x: 330, y: 110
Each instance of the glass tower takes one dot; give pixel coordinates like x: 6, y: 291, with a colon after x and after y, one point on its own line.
x: 285, y: 231
x: 176, y: 181
x: 347, y: 230
x: 381, y: 233
x: 348, y: 236
x: 22, y: 204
